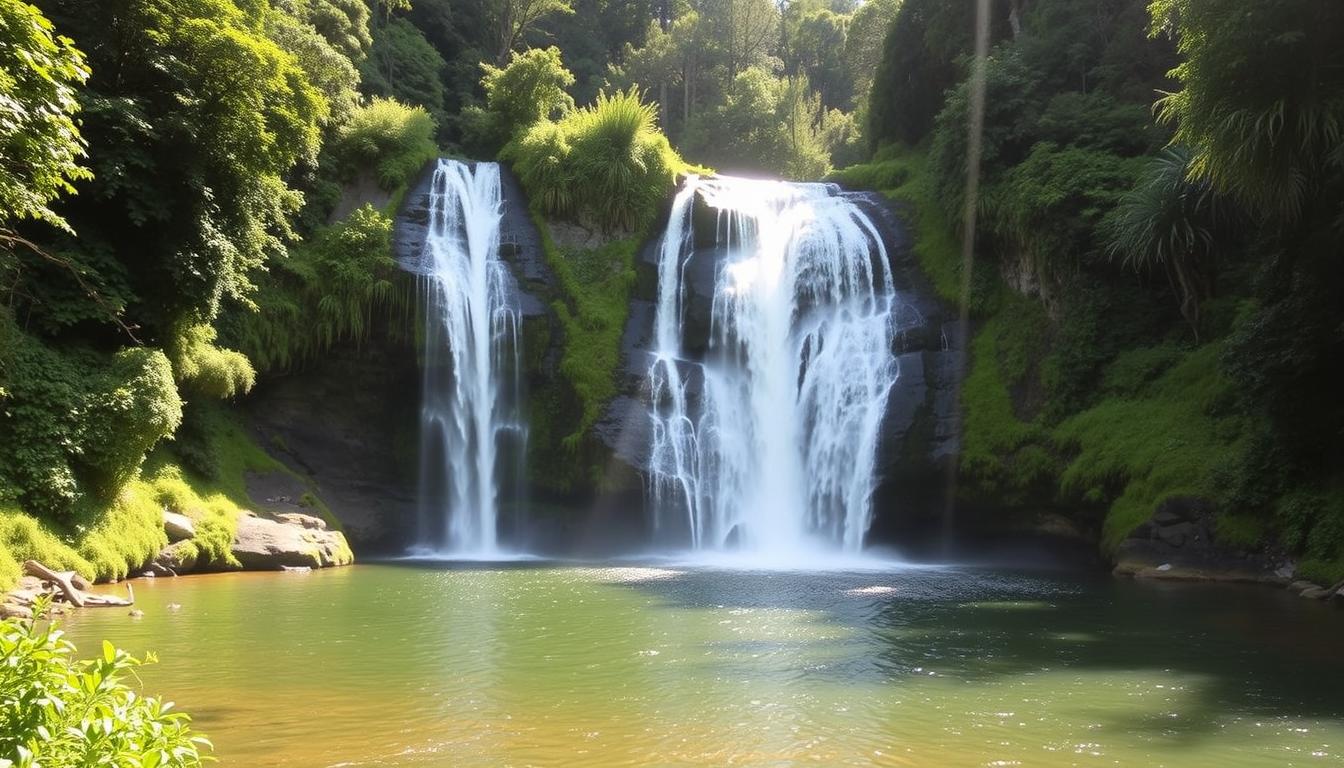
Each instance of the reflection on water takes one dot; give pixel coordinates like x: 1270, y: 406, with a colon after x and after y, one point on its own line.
x: 544, y: 664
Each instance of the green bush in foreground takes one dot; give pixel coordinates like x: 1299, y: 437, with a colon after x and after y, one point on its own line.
x: 57, y: 711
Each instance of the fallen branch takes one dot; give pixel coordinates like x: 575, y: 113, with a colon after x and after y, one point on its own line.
x: 67, y: 582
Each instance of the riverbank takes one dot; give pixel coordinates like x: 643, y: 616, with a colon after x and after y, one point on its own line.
x: 274, y: 541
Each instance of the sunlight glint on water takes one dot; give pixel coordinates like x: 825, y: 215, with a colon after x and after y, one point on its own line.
x: 609, y: 666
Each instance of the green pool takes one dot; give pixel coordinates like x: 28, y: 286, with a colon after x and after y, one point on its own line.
x: 657, y: 664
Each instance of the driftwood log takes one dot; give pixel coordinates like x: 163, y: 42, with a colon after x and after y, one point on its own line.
x: 72, y: 587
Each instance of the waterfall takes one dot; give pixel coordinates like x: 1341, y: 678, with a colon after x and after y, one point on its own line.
x: 471, y: 400
x: 768, y: 441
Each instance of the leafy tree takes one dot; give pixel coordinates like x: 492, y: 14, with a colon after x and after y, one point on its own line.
x: 513, y: 19
x: 594, y: 38
x: 531, y: 88
x: 40, y: 72
x: 342, y: 23
x: 818, y: 52
x: 742, y: 33
x: 328, y: 68
x: 194, y: 118
x: 863, y: 46
x: 767, y: 123
x: 1261, y: 104
x: 920, y: 61
x: 403, y: 65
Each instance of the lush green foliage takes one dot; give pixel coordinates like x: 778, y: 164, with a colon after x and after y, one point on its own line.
x: 194, y: 117
x: 78, y: 423
x: 41, y: 147
x: 921, y: 59
x: 387, y: 137
x: 1262, y: 98
x: 1163, y: 441
x: 58, y: 711
x: 1172, y: 224
x: 530, y: 89
x: 1113, y: 408
x: 197, y: 114
x: 341, y: 287
x: 770, y: 124
x: 606, y: 165
x: 402, y: 65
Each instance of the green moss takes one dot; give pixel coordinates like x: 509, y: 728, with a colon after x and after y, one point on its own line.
x: 1003, y: 457
x: 596, y: 287
x: 1240, y: 530
x: 1134, y: 369
x: 22, y: 537
x: 1325, y: 572
x: 1135, y: 452
x: 106, y: 540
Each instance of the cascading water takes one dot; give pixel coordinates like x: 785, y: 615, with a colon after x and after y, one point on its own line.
x: 775, y: 451
x: 470, y: 400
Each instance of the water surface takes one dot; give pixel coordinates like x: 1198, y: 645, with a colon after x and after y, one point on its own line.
x: 551, y: 664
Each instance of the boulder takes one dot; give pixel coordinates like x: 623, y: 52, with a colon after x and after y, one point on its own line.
x: 179, y: 557
x: 15, y: 611
x: 1176, y: 535
x: 178, y: 527
x: 1302, y: 585
x: 264, y: 544
x: 1316, y: 593
x: 301, y: 520
x: 1167, y: 516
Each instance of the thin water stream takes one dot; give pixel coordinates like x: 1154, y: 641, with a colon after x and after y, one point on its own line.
x: 470, y: 398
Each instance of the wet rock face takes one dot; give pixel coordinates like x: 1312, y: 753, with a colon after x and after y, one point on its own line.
x: 349, y: 425
x: 918, y: 435
x: 519, y: 241
x: 1180, y: 542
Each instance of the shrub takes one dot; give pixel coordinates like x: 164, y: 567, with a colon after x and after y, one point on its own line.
x: 606, y: 165
x: 77, y: 422
x: 207, y: 369
x: 134, y: 405
x: 530, y: 89
x: 58, y: 711
x: 391, y: 138
x: 338, y: 288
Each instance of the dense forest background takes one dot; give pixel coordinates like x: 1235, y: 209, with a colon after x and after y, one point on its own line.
x: 196, y: 194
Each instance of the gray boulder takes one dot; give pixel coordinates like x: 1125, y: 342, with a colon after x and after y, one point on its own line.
x: 267, y: 544
x: 178, y: 527
x: 180, y: 557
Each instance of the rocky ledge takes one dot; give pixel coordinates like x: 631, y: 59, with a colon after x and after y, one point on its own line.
x: 270, y: 542
x: 1180, y: 543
